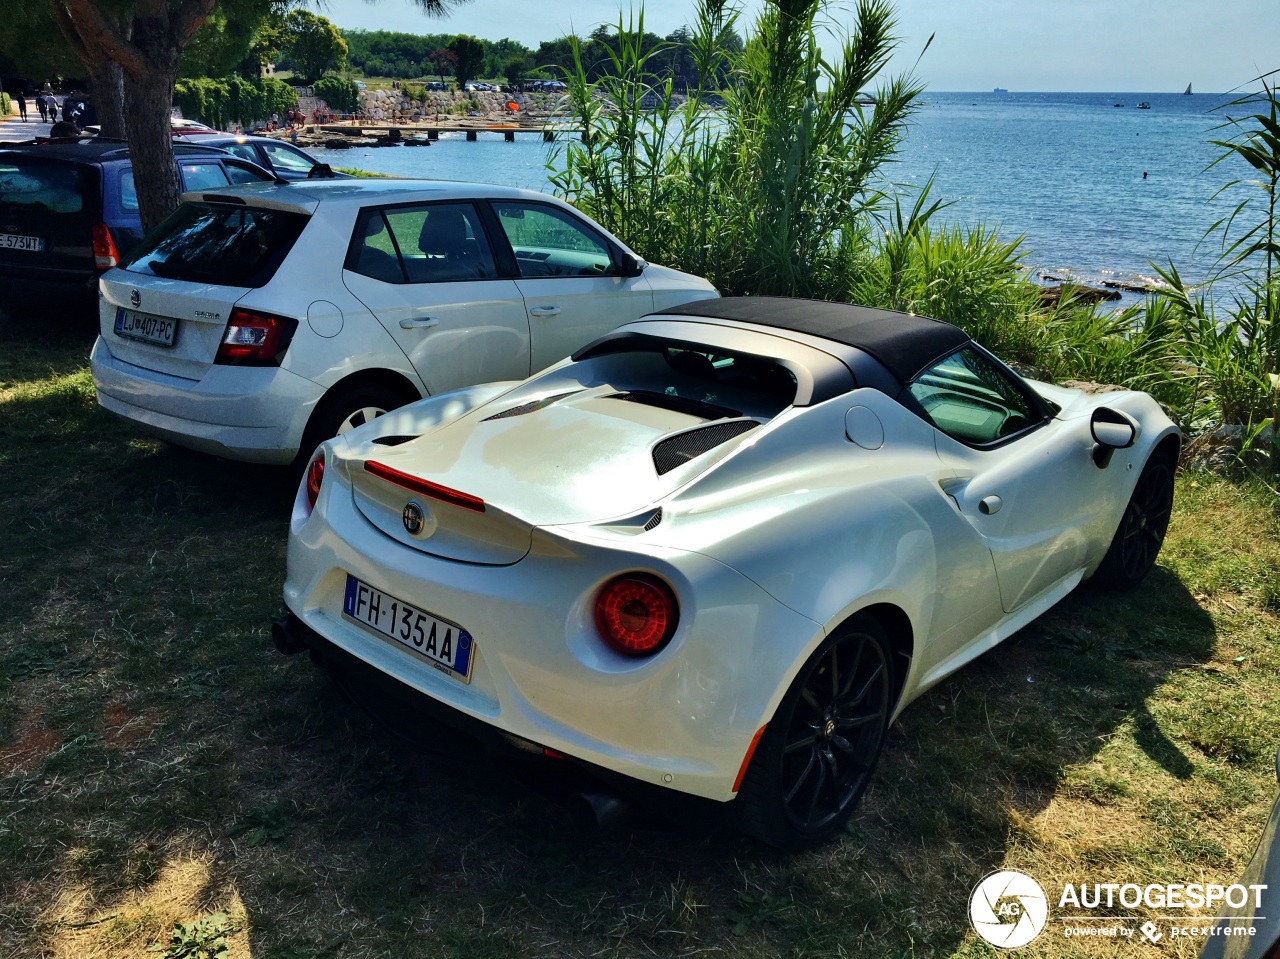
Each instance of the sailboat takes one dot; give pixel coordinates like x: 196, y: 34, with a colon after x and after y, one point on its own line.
x: 1187, y: 91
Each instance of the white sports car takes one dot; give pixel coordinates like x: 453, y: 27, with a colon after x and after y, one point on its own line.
x: 720, y: 549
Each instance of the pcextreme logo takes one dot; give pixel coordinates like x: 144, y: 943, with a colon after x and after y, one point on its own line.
x: 1008, y: 909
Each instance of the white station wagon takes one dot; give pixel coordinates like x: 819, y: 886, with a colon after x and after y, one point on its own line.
x: 259, y: 321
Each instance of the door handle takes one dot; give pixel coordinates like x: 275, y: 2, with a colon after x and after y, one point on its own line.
x: 990, y: 504
x: 544, y: 311
x: 422, y: 323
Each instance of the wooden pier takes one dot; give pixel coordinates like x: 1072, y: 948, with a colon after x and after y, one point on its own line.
x: 432, y: 130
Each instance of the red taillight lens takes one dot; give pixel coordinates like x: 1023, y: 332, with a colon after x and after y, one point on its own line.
x: 636, y: 614
x: 255, y: 339
x: 105, y: 254
x: 314, y: 480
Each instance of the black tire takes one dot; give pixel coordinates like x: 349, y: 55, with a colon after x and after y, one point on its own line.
x: 818, y: 753
x: 345, y: 409
x: 1138, y: 538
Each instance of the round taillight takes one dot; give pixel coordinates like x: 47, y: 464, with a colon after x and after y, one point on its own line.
x: 636, y: 614
x: 315, y: 477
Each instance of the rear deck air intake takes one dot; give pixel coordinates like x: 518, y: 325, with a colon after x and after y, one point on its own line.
x: 678, y: 450
x: 528, y: 407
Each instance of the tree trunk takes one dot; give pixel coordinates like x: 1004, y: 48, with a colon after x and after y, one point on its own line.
x: 148, y: 103
x: 107, y: 86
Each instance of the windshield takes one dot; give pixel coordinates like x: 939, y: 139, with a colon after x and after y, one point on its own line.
x: 221, y: 243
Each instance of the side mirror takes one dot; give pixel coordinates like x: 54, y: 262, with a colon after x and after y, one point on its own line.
x: 1112, y: 430
x: 632, y: 265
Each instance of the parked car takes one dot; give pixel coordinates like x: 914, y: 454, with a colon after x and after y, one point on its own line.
x: 1232, y: 938
x: 69, y: 211
x: 262, y: 320
x: 285, y: 160
x: 717, y: 551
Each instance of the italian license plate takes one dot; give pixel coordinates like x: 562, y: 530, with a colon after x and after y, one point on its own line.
x: 161, y: 330
x: 30, y: 244
x: 445, y: 645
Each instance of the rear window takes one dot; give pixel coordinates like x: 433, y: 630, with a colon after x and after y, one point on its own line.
x: 31, y: 186
x: 224, y: 244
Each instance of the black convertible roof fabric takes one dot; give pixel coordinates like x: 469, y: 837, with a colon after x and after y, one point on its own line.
x: 904, y: 343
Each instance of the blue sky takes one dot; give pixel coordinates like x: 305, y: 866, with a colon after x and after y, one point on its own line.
x: 1112, y: 45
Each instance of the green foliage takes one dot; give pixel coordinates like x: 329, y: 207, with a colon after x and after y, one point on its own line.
x: 6, y: 104
x: 386, y: 53
x: 224, y: 103
x: 342, y: 95
x: 470, y: 54
x: 767, y: 196
x: 312, y: 44
x: 203, y: 939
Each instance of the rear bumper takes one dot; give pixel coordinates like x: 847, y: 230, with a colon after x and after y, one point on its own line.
x: 255, y: 414
x: 44, y: 297
x: 441, y: 729
x: 681, y: 720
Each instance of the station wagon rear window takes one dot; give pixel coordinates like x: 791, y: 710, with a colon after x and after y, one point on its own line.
x: 36, y: 187
x: 223, y: 244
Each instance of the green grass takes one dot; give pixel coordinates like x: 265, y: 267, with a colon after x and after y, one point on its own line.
x: 162, y: 766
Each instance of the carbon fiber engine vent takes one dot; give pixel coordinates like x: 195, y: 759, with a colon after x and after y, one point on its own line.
x: 393, y: 440
x: 678, y: 450
x: 528, y: 407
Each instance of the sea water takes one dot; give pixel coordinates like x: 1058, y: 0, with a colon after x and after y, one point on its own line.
x: 1063, y: 171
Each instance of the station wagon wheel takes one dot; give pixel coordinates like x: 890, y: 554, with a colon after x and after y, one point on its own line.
x: 817, y: 755
x: 344, y: 409
x: 1140, y: 535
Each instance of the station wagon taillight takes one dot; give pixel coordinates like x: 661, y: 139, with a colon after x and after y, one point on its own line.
x: 105, y: 254
x: 636, y: 614
x: 255, y: 339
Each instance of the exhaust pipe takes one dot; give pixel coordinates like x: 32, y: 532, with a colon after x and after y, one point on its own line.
x: 598, y: 812
x: 289, y: 634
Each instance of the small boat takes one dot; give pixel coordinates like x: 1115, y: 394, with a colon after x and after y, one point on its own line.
x: 1187, y: 91
x: 1000, y: 90
x: 1144, y: 105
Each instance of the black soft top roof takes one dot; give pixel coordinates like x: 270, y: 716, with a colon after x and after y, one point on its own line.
x: 904, y: 343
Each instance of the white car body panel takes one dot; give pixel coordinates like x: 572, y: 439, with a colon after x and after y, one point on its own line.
x: 770, y: 541
x: 481, y: 333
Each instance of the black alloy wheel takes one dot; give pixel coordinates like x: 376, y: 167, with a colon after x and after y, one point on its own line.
x: 1141, y: 532
x: 818, y: 754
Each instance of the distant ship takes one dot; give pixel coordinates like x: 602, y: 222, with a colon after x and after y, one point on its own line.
x: 1000, y: 90
x: 1187, y: 91
x: 1144, y: 105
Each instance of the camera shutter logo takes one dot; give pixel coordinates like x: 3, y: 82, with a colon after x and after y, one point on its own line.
x: 1008, y: 909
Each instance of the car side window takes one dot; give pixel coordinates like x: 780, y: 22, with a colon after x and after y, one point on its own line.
x: 431, y: 243
x: 203, y: 176
x: 551, y: 242
x: 243, y: 150
x: 287, y: 158
x: 128, y: 192
x: 971, y: 399
x: 238, y: 173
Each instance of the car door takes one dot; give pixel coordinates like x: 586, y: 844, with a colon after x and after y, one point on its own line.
x: 1024, y: 480
x: 428, y: 274
x: 572, y: 282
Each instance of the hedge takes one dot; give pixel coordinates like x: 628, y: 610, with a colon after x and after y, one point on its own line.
x: 341, y: 95
x: 224, y: 103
